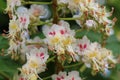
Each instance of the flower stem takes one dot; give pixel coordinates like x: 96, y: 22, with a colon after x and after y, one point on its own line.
x: 73, y: 65
x: 77, y: 18
x: 50, y: 59
x: 55, y: 13
x: 46, y: 78
x: 41, y: 23
x: 33, y: 43
x: 30, y: 2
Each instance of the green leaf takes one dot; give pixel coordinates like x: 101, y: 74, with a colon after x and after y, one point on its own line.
x: 3, y: 43
x: 2, y: 5
x: 8, y: 67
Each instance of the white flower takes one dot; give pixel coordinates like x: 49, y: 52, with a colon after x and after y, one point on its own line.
x: 90, y: 23
x: 60, y: 76
x: 81, y: 45
x: 73, y: 75
x: 13, y: 27
x: 93, y: 55
x: 60, y: 38
x: 39, y: 11
x: 109, y: 30
x: 41, y: 54
x: 35, y: 63
x: 23, y: 17
x: 11, y: 4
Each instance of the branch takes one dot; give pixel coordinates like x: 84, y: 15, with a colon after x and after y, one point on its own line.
x: 77, y: 18
x: 30, y: 2
x: 51, y: 59
x: 55, y: 13
x: 73, y: 65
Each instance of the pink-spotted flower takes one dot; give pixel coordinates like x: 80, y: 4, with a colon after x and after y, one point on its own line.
x: 23, y: 17
x: 60, y: 38
x: 11, y: 4
x: 35, y: 63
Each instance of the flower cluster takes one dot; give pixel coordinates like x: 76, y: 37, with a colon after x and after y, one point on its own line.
x: 11, y: 4
x: 60, y: 38
x: 19, y: 25
x: 35, y: 64
x: 91, y: 14
x: 73, y: 75
x: 93, y: 55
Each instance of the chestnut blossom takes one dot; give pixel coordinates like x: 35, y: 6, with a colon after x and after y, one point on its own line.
x: 60, y: 38
x: 13, y: 27
x: 81, y: 45
x: 40, y: 11
x: 35, y: 63
x: 90, y: 8
x: 23, y: 17
x: 93, y: 55
x: 90, y: 23
x: 60, y: 76
x: 73, y: 75
x: 11, y: 4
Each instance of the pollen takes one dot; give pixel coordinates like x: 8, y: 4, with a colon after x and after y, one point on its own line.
x: 77, y: 1
x: 13, y: 26
x: 33, y: 64
x: 93, y: 54
x: 55, y: 40
x: 67, y: 41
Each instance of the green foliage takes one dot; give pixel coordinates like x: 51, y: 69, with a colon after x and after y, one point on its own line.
x: 9, y: 67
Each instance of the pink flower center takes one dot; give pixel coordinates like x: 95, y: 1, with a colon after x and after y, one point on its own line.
x: 23, y: 20
x: 73, y: 78
x: 21, y: 79
x: 60, y: 78
x: 52, y: 33
x: 82, y: 47
x: 63, y: 32
x: 41, y: 55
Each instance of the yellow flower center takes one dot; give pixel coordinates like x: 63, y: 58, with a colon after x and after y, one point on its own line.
x: 33, y: 64
x: 67, y: 41
x: 93, y: 54
x: 33, y: 77
x: 13, y: 26
x: 55, y: 40
x: 77, y: 1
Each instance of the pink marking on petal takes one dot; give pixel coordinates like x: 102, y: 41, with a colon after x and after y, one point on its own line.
x: 80, y: 46
x: 58, y: 78
x: 25, y: 20
x: 21, y: 19
x: 62, y: 32
x: 21, y: 79
x: 52, y: 33
x: 85, y: 46
x: 62, y: 77
x: 42, y: 55
x: 73, y: 78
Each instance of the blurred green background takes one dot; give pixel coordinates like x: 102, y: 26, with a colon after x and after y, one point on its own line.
x: 9, y: 67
